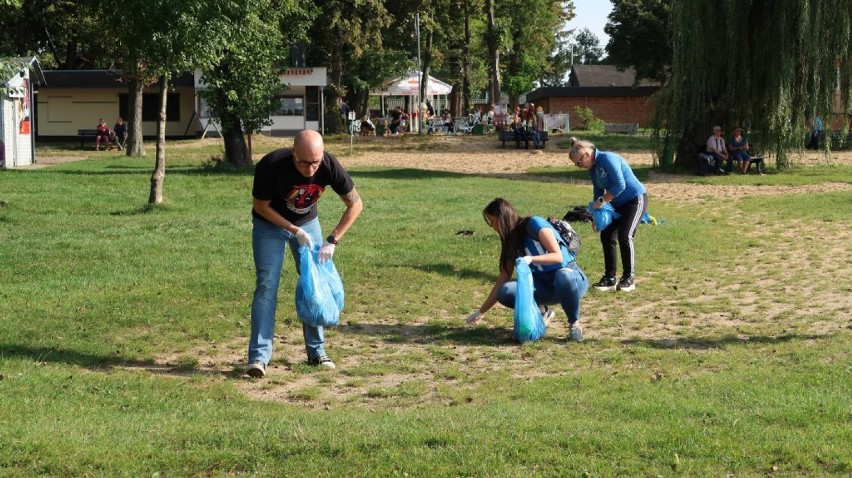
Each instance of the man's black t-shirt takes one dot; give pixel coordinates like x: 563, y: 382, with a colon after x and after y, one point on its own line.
x: 292, y: 195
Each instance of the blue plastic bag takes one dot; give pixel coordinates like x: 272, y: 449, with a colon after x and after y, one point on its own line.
x: 604, y: 216
x: 319, y: 290
x: 529, y: 325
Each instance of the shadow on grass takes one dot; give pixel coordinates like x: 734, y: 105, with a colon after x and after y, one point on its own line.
x: 714, y: 343
x: 425, y: 334
x: 100, y: 362
x: 450, y: 270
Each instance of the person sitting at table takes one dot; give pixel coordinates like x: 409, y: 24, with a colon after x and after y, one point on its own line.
x: 367, y: 127
x: 448, y: 120
x: 397, y: 116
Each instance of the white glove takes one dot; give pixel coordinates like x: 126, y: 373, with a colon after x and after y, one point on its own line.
x: 527, y: 259
x: 474, y: 316
x: 304, y: 238
x: 325, y: 252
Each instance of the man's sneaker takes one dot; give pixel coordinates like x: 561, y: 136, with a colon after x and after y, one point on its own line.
x: 546, y: 314
x: 575, y: 333
x: 322, y: 361
x: 626, y: 284
x: 606, y: 284
x: 257, y: 369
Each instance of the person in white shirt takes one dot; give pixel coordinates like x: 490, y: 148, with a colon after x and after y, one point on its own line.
x: 716, y: 148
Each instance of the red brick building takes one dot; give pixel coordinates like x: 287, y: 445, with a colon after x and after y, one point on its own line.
x: 610, y: 94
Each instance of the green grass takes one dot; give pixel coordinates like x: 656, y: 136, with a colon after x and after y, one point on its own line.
x: 123, y: 332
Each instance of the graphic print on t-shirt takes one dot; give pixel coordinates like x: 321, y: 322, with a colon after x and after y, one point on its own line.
x: 302, y: 197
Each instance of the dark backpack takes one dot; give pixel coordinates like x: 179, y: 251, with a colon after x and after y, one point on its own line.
x: 567, y: 235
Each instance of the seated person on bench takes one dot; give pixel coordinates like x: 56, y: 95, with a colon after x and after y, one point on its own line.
x: 102, y: 135
x: 738, y: 151
x: 119, y: 132
x: 367, y: 127
x: 716, y: 148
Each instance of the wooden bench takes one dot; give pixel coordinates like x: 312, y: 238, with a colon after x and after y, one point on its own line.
x: 621, y: 128
x: 507, y: 134
x: 86, y: 133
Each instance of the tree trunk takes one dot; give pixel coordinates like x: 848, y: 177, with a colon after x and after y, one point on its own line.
x: 466, y: 59
x: 135, y: 144
x: 159, y: 175
x: 491, y: 41
x: 236, y: 149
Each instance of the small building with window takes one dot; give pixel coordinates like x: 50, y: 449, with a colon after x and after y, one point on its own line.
x: 73, y: 100
x: 76, y: 99
x: 17, y: 142
x: 300, y: 104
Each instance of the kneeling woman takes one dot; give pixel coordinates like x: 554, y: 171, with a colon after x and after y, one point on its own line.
x: 557, y: 278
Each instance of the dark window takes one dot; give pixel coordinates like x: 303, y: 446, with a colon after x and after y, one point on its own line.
x: 290, y: 106
x: 151, y: 106
x: 311, y: 103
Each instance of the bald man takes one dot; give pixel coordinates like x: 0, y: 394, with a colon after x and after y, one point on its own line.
x: 288, y: 183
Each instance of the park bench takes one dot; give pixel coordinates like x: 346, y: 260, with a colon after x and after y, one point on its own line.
x: 706, y: 162
x: 621, y: 128
x: 86, y: 133
x: 507, y: 134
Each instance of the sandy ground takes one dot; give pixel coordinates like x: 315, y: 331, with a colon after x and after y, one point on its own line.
x: 483, y: 155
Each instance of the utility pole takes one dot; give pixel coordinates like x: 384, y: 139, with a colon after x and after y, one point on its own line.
x: 420, y: 92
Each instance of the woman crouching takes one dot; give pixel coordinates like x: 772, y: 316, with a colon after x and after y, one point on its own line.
x: 557, y: 278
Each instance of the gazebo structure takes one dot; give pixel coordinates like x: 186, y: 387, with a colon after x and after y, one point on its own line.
x: 409, y: 85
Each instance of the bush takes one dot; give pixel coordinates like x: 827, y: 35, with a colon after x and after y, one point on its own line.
x: 587, y: 117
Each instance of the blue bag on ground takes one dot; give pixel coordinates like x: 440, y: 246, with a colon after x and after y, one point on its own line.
x: 529, y: 325
x: 604, y: 216
x: 319, y: 290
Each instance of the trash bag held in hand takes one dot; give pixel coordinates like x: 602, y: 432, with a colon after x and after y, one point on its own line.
x: 319, y: 291
x: 603, y: 216
x: 529, y: 325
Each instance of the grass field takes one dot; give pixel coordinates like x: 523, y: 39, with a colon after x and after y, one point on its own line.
x: 123, y: 330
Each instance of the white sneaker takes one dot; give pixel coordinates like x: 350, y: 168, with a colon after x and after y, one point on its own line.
x: 547, y: 314
x: 257, y: 369
x: 323, y: 361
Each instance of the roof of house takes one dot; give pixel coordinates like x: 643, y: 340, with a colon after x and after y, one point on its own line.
x: 33, y: 64
x: 604, y: 75
x: 101, y: 79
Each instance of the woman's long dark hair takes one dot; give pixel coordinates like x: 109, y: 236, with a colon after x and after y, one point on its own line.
x: 511, y: 230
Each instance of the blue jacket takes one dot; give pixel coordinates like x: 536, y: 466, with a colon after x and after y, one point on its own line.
x: 612, y: 174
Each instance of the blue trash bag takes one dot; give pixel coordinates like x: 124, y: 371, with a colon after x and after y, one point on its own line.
x: 316, y: 302
x: 604, y: 216
x: 332, y: 278
x: 529, y: 325
x: 649, y: 219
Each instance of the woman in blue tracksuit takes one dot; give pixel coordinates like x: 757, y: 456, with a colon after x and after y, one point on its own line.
x: 615, y: 183
x: 557, y: 278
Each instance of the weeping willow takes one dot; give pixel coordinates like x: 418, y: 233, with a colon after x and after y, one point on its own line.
x: 769, y: 66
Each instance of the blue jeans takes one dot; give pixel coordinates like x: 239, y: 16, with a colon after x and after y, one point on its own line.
x: 565, y: 287
x: 269, y: 242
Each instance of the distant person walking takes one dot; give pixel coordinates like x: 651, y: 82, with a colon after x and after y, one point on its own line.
x: 613, y: 182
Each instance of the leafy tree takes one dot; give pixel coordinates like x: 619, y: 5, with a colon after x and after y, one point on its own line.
x: 638, y: 37
x: 243, y: 88
x: 530, y: 26
x: 65, y: 34
x: 342, y: 33
x: 752, y: 63
x: 587, y: 48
